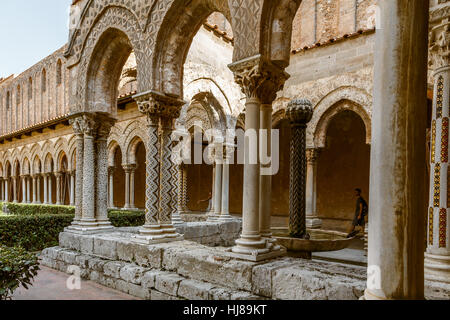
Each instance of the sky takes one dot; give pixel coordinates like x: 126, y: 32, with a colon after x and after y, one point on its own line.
x: 30, y: 30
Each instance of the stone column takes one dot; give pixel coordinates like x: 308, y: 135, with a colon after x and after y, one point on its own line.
x: 58, y: 176
x: 397, y: 166
x: 105, y: 123
x: 7, y: 190
x: 24, y: 188
x: 127, y: 170
x: 38, y: 188
x: 72, y: 188
x: 15, y: 189
x: 50, y: 189
x: 45, y: 188
x: 111, y: 186
x: 265, y: 181
x: 35, y: 177
x: 227, y: 154
x: 437, y: 256
x: 299, y: 112
x: 28, y: 180
x: 312, y: 219
x: 180, y: 188
x: 217, y: 196
x: 260, y: 80
x: 184, y: 193
x: 132, y: 186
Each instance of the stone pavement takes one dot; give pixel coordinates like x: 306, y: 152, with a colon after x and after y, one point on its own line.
x: 51, y: 285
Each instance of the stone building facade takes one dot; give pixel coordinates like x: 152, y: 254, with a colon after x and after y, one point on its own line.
x: 79, y: 139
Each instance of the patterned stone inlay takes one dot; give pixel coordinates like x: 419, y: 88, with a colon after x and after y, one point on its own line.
x: 444, y: 142
x: 440, y: 97
x: 437, y: 184
x: 433, y: 141
x: 430, y: 226
x: 442, y: 227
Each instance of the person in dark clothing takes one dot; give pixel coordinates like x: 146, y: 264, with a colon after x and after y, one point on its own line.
x: 361, y: 211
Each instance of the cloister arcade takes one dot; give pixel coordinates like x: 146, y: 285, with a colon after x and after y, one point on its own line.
x: 116, y: 152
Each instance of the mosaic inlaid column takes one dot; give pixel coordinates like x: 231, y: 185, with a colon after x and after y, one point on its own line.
x: 299, y: 112
x: 151, y: 232
x: 184, y: 192
x: 312, y: 219
x: 24, y: 188
x: 437, y: 256
x: 397, y: 167
x: 58, y: 176
x: 176, y: 190
x: 227, y: 155
x: 260, y: 81
x: 168, y: 181
x: 111, y: 171
x: 105, y: 123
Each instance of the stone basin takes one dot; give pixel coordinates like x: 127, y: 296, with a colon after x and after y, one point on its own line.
x: 320, y: 241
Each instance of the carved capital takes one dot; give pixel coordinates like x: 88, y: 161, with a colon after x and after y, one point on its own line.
x: 440, y: 45
x: 299, y: 111
x: 129, y: 167
x: 259, y: 78
x: 84, y: 124
x: 157, y: 105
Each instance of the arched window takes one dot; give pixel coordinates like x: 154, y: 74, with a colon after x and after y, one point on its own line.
x: 8, y: 100
x: 18, y: 95
x: 44, y: 81
x: 58, y: 73
x: 30, y: 89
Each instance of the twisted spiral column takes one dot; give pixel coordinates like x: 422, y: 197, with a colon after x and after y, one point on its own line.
x: 299, y: 112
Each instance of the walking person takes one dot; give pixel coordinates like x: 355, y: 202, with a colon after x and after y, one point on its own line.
x: 361, y: 212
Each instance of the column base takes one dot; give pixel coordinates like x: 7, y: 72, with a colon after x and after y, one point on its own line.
x: 225, y: 217
x: 153, y: 234
x: 257, y: 249
x: 437, y: 267
x: 313, y: 223
x: 176, y: 219
x: 82, y: 229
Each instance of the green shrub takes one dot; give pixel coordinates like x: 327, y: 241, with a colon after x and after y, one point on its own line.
x: 32, y: 232
x: 126, y: 218
x: 17, y: 267
x: 37, y: 209
x: 35, y: 232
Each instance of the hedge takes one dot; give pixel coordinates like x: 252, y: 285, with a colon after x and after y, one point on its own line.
x: 37, y: 209
x: 36, y: 232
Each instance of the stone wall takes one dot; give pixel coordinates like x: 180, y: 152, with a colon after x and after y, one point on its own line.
x: 36, y: 95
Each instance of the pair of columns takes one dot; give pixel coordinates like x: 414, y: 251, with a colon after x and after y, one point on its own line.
x: 260, y: 80
x: 91, y: 180
x: 161, y: 196
x: 31, y: 184
x: 5, y: 184
x: 221, y: 182
x: 130, y: 170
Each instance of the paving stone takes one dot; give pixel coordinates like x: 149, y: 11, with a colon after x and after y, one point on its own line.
x: 156, y: 295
